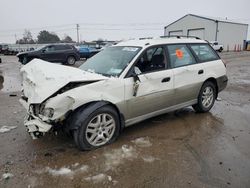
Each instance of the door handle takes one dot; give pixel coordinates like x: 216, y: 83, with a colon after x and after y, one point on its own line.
x: 165, y: 79
x: 200, y: 71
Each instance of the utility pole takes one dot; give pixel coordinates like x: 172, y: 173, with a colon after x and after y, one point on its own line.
x: 77, y: 31
x: 15, y: 38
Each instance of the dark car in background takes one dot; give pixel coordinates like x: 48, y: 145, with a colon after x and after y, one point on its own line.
x: 6, y: 50
x: 3, y: 48
x: 64, y: 53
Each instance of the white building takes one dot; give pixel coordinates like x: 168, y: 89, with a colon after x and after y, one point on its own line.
x: 229, y: 33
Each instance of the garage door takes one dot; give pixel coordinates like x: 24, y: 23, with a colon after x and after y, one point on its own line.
x: 197, y: 33
x: 176, y: 33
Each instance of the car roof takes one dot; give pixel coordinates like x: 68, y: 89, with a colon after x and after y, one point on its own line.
x: 58, y: 44
x: 158, y: 41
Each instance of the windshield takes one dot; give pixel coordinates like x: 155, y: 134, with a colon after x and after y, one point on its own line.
x: 39, y: 48
x: 111, y: 61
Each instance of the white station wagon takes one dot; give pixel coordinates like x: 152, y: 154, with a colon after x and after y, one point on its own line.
x: 120, y: 86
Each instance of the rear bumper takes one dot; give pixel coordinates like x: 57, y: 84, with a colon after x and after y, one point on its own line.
x: 222, y: 82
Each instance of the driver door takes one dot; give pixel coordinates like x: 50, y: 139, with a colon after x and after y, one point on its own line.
x: 48, y: 53
x: 155, y: 85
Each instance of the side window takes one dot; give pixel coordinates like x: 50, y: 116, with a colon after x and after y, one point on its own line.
x: 60, y: 47
x: 180, y: 55
x: 153, y: 59
x: 50, y: 49
x: 67, y: 47
x: 204, y: 52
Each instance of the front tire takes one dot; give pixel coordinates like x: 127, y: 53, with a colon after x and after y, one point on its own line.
x: 206, y: 97
x: 25, y: 60
x: 100, y: 128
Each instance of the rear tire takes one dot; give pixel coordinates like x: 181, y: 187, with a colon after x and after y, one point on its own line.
x: 71, y: 60
x: 100, y: 128
x: 206, y: 97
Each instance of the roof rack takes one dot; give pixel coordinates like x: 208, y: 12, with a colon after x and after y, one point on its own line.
x: 145, y: 38
x: 180, y: 36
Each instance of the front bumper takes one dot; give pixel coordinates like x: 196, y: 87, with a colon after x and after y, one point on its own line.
x: 35, y: 126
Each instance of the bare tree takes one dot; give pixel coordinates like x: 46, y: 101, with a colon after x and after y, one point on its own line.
x: 27, y: 38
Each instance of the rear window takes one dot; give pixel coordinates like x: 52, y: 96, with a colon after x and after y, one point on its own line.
x: 204, y: 52
x: 180, y: 55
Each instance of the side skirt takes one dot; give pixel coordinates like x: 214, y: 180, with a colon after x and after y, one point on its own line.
x: 159, y: 112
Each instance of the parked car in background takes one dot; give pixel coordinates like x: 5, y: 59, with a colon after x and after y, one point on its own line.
x: 108, y: 45
x: 6, y: 50
x: 63, y: 53
x: 3, y: 48
x: 120, y: 86
x: 87, y: 51
x: 216, y: 46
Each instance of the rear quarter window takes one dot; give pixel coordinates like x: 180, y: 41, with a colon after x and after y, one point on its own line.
x: 63, y: 47
x: 68, y: 47
x: 204, y: 52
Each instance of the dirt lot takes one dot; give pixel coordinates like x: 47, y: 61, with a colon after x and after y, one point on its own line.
x: 179, y: 149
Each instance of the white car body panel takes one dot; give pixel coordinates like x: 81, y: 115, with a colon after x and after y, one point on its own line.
x: 187, y: 82
x: 43, y: 80
x: 111, y: 90
x: 150, y: 94
x: 214, y: 69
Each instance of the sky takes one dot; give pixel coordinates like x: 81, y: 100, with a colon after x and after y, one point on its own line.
x: 107, y: 19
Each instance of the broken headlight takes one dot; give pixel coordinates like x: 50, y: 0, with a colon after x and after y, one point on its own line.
x: 34, y: 109
x: 47, y: 112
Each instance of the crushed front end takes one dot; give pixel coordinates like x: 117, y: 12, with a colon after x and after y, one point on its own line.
x: 49, y: 94
x: 36, y: 127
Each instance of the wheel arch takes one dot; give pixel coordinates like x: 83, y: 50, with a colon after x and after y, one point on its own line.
x: 71, y: 55
x: 73, y: 120
x: 214, y: 81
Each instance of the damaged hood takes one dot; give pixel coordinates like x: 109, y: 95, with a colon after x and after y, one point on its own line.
x: 42, y: 79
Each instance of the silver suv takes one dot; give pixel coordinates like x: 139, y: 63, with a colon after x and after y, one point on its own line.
x: 120, y: 86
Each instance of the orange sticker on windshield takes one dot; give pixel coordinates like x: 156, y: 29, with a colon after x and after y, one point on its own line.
x: 179, y: 54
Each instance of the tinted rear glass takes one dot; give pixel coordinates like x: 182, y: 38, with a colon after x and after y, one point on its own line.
x: 62, y: 47
x: 204, y: 52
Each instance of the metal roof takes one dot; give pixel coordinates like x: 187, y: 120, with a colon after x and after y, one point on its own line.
x: 215, y: 19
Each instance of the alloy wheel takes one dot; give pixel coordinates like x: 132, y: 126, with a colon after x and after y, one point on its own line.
x: 100, y: 129
x: 207, y: 96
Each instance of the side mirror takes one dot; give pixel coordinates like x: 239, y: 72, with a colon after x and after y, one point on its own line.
x: 43, y: 50
x: 137, y: 80
x: 137, y: 70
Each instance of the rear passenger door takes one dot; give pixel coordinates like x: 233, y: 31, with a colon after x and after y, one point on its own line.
x: 188, y: 74
x: 60, y: 53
